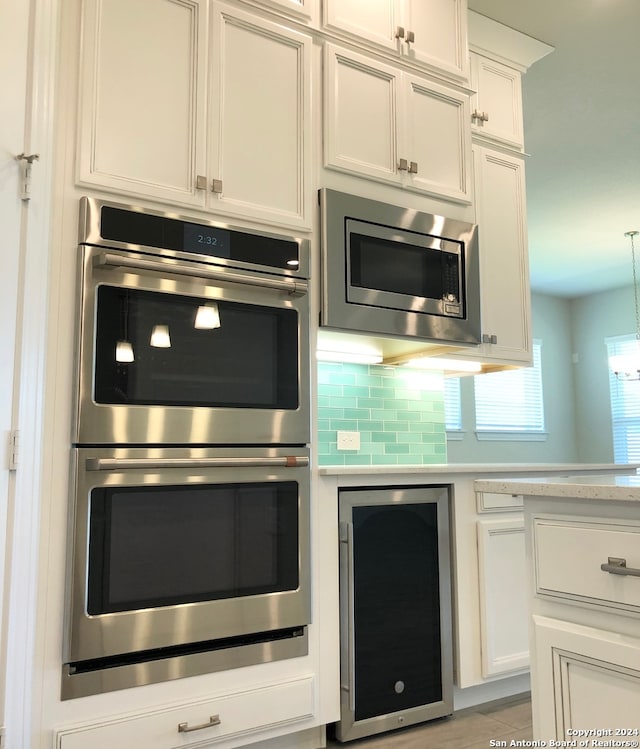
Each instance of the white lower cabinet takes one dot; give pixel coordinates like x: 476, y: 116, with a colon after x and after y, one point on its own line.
x: 587, y: 679
x: 585, y: 631
x: 503, y: 598
x: 224, y: 722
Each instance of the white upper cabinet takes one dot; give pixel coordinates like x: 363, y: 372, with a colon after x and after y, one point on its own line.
x: 259, y: 115
x: 504, y: 260
x: 221, y: 123
x: 496, y: 107
x: 429, y: 32
x: 142, y: 112
x: 394, y: 127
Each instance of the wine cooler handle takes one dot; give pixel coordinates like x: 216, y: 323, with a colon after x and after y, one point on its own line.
x: 346, y: 538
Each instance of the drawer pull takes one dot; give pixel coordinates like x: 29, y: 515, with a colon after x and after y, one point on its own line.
x: 214, y: 720
x: 618, y: 566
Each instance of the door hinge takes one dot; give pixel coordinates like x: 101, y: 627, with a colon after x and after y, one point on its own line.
x: 26, y: 162
x: 14, y: 444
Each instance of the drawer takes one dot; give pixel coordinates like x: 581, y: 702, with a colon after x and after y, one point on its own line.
x: 494, y: 502
x: 568, y: 556
x: 238, y: 714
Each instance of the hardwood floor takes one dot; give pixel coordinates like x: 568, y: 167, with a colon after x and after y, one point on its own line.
x: 472, y: 728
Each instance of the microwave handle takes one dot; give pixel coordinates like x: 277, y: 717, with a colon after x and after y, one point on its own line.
x: 113, y: 464
x: 292, y: 286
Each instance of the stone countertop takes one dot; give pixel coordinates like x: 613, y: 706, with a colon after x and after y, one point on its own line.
x: 621, y: 487
x: 475, y: 468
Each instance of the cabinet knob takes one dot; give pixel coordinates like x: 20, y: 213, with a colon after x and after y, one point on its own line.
x: 201, y: 182
x: 411, y: 37
x: 403, y: 165
x: 413, y: 167
x: 487, y: 338
x: 400, y: 32
x: 485, y: 117
x: 216, y: 185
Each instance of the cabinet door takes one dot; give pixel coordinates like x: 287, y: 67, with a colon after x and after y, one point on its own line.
x: 259, y: 119
x: 360, y: 115
x: 374, y: 20
x: 141, y: 108
x: 503, y: 596
x: 586, y: 678
x: 497, y: 104
x: 504, y: 262
x: 437, y: 140
x: 440, y: 31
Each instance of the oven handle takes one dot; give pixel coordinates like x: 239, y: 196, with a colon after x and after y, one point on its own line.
x: 129, y: 464
x: 295, y: 287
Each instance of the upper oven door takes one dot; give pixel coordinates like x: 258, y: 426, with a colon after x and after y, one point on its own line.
x: 172, y: 352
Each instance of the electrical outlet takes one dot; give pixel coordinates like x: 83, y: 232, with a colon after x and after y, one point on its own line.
x: 348, y: 440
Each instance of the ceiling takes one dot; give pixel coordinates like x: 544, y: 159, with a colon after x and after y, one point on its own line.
x: 582, y: 131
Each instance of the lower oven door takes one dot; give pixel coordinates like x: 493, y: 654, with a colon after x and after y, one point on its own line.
x: 186, y: 546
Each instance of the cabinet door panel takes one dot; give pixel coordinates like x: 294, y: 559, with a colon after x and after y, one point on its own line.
x: 360, y: 115
x: 499, y: 96
x: 260, y: 108
x: 588, y: 677
x: 440, y: 28
x: 503, y: 596
x: 141, y: 118
x: 504, y: 263
x: 438, y: 139
x: 375, y: 20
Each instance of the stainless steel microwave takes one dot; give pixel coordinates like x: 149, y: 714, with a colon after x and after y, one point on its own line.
x: 398, y: 272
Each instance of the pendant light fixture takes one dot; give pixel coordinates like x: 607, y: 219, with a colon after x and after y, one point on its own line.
x: 627, y: 366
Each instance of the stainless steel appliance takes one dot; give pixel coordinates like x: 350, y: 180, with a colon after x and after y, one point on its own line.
x: 398, y: 272
x: 191, y: 333
x: 395, y: 608
x: 183, y: 561
x: 189, y: 526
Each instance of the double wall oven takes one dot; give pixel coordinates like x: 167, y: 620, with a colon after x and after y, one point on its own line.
x: 189, y: 529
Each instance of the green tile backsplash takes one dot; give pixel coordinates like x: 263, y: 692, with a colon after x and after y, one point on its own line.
x: 398, y: 412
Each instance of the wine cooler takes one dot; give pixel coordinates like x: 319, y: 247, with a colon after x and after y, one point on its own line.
x: 395, y: 608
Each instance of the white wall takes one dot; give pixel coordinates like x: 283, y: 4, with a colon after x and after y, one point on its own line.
x: 552, y: 325
x: 594, y: 318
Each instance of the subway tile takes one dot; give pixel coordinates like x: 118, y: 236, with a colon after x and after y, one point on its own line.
x: 355, y: 391
x: 383, y: 437
x: 371, y: 403
x: 396, y: 449
x: 329, y: 389
x: 360, y: 414
x: 347, y: 425
x: 369, y: 380
x: 341, y: 378
x: 342, y: 402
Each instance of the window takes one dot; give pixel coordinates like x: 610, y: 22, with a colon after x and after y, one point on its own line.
x: 625, y: 403
x: 452, y: 409
x: 510, y: 402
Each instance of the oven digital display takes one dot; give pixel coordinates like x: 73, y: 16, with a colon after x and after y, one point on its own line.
x: 207, y: 240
